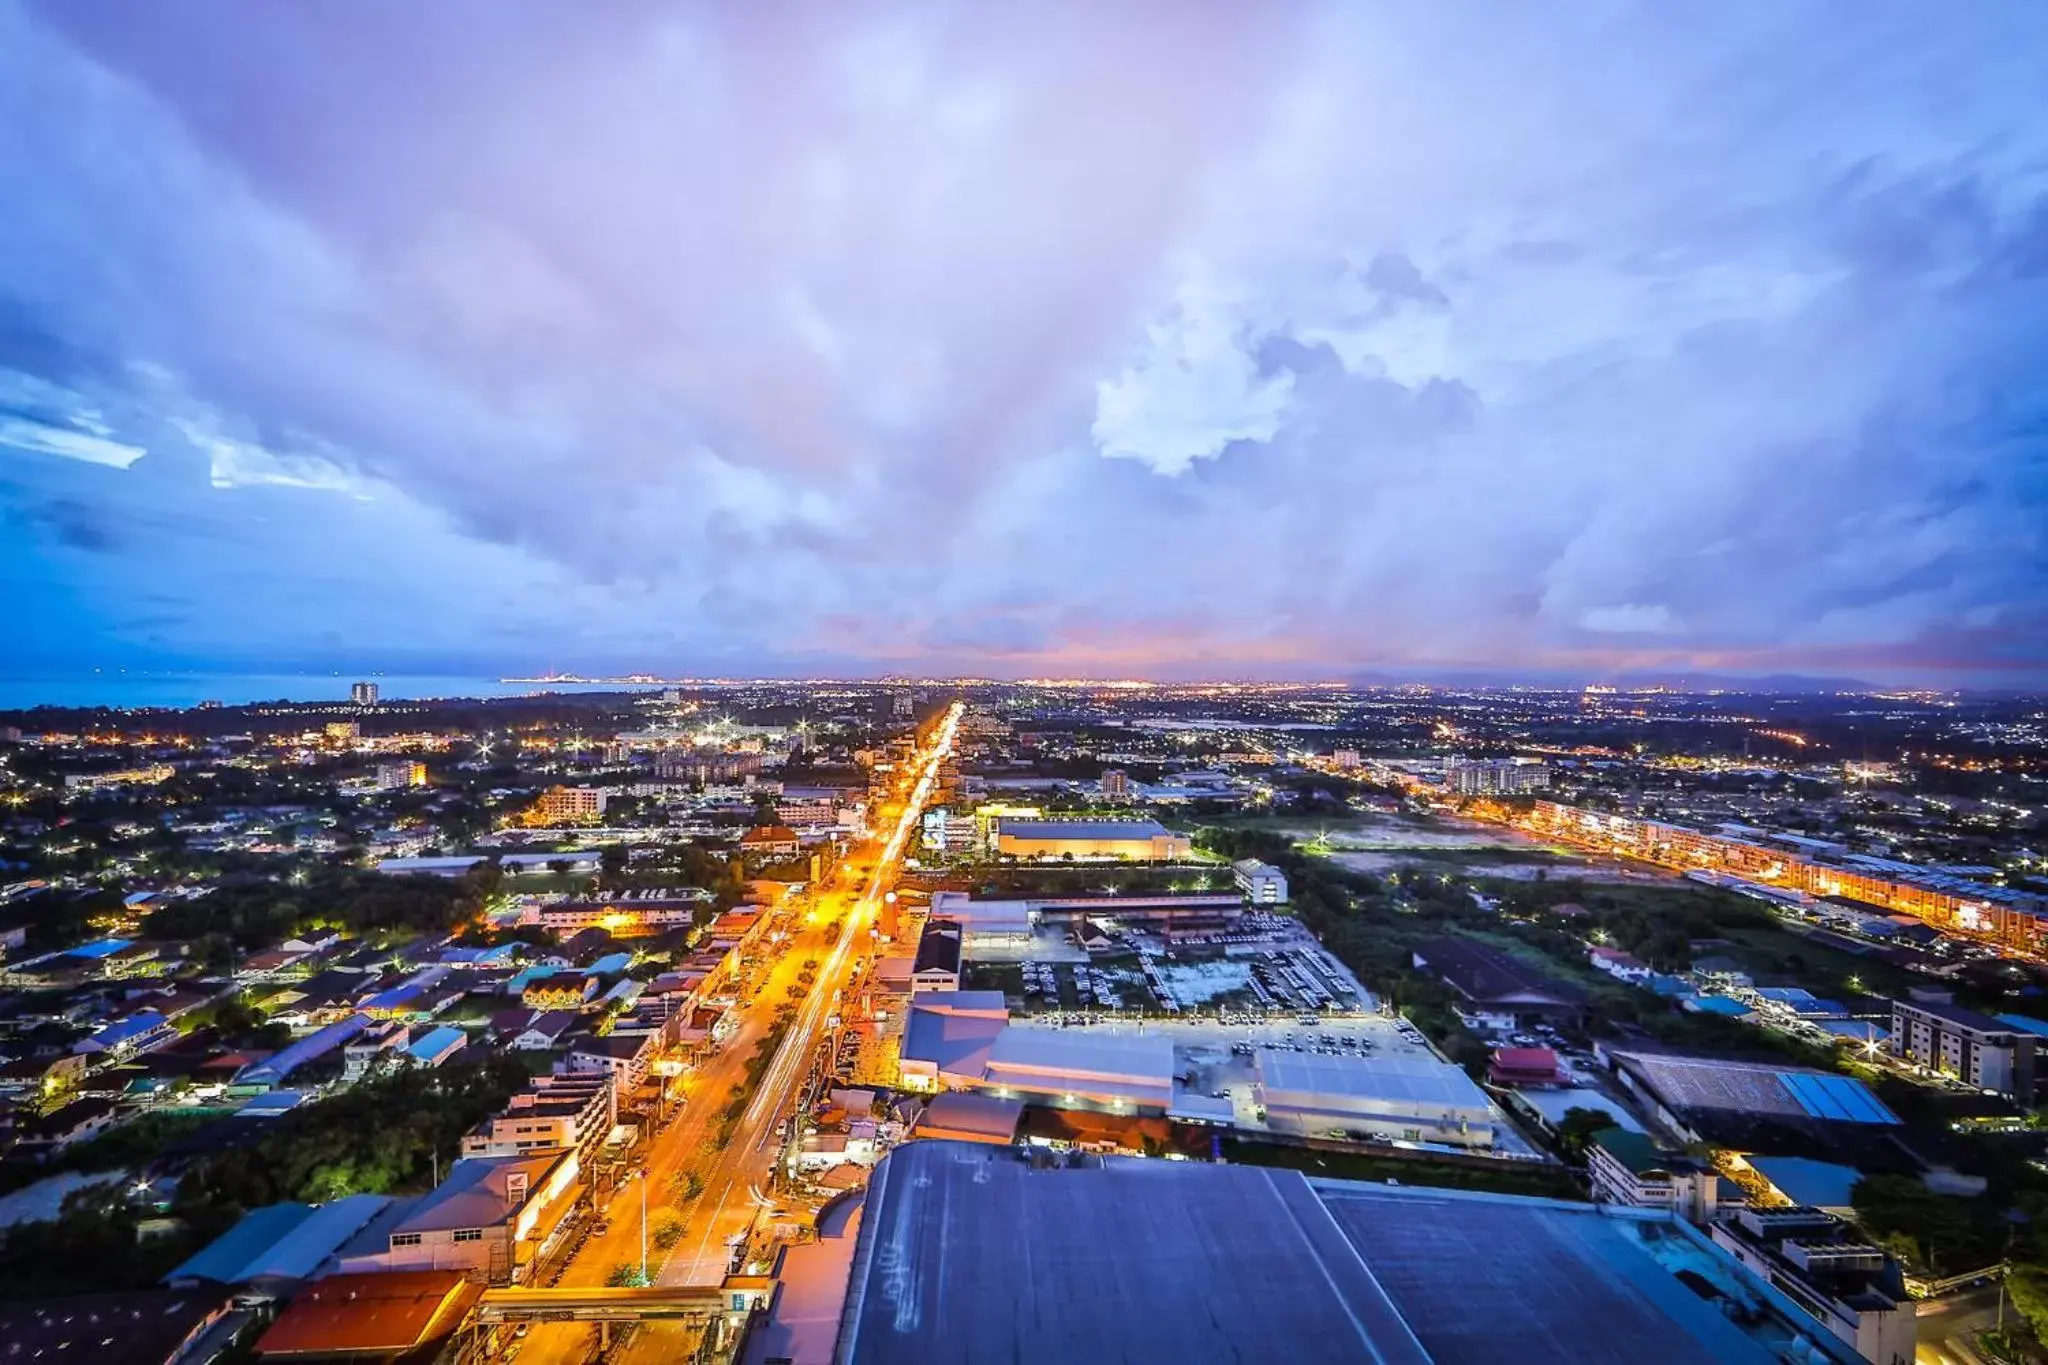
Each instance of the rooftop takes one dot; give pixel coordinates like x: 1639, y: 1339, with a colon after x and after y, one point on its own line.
x: 136, y: 1326
x: 383, y: 1313
x: 1757, y: 1089
x: 1412, y: 1080
x: 1081, y: 829
x: 969, y: 1254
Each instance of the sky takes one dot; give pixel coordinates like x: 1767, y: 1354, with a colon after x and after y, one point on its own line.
x: 1167, y: 339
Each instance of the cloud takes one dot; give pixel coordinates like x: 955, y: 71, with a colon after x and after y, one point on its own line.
x: 1630, y: 619
x: 1293, y: 338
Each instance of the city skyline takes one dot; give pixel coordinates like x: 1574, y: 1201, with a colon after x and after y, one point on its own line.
x: 1190, y: 342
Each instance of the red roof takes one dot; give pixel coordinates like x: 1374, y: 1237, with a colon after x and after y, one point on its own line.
x: 1525, y: 1059
x: 769, y: 834
x: 385, y: 1313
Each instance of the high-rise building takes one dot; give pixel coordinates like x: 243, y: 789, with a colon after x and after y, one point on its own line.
x: 561, y: 805
x: 363, y: 694
x: 1495, y: 776
x: 1116, y: 784
x: 401, y: 772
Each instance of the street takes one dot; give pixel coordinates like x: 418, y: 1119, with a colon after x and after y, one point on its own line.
x: 832, y: 930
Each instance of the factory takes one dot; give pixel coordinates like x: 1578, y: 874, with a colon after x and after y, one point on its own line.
x: 1137, y: 841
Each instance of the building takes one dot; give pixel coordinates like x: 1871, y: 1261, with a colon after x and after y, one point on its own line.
x: 568, y: 806
x: 1262, y: 883
x: 1114, y: 840
x: 1621, y: 966
x: 1969, y: 1046
x: 1822, y: 1264
x: 937, y: 966
x: 436, y: 1045
x: 371, y: 1047
x: 1525, y: 1068
x: 1192, y: 1262
x: 628, y: 915
x: 362, y: 694
x: 771, y: 841
x: 964, y: 1116
x: 1115, y: 785
x: 624, y: 1057
x: 996, y: 924
x: 134, y: 1327
x: 397, y: 773
x: 402, y: 1316
x: 1628, y: 1168
x: 1389, y: 1099
x: 1716, y: 1099
x: 1495, y: 776
x: 1498, y: 990
x: 490, y: 1217
x: 279, y: 1246
x: 565, y: 1112
x: 92, y: 782
x: 564, y: 991
x: 947, y: 1036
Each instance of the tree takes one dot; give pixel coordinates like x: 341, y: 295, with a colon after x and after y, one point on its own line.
x: 1576, y: 1129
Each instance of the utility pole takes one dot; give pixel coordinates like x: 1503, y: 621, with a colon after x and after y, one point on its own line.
x: 643, y: 1228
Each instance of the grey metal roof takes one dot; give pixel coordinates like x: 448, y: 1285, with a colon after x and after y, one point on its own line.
x: 968, y: 1255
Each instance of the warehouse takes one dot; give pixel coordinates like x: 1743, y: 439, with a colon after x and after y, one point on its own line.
x: 1139, y: 841
x: 1392, y: 1099
x: 971, y: 1255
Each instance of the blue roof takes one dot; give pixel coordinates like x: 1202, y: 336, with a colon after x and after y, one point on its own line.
x: 222, y: 1259
x: 1840, y: 1099
x: 283, y: 1241
x: 437, y: 1041
x: 1823, y: 1184
x: 1720, y: 1004
x: 106, y: 947
x: 612, y: 962
x: 134, y: 1026
x: 2038, y: 1027
x: 279, y: 1065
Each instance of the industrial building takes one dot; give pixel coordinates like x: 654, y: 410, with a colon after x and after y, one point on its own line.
x: 1975, y: 1048
x: 937, y: 965
x: 1698, y: 1096
x: 1391, y: 1099
x: 1138, y: 841
x: 972, y: 1254
x: 998, y: 925
x: 1826, y: 1267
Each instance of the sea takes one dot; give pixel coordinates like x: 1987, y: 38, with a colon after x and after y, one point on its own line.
x: 132, y: 688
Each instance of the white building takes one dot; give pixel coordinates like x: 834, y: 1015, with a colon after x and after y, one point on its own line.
x: 1495, y: 776
x: 1262, y: 883
x: 398, y: 773
x: 1396, y: 1099
x: 564, y: 1112
x: 1823, y: 1265
x: 490, y: 1217
x: 1628, y: 1168
x: 362, y: 694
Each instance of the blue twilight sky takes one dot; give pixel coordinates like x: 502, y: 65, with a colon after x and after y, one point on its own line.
x: 1173, y: 338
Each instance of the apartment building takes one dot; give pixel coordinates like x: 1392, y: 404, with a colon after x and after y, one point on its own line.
x: 1825, y: 1267
x: 1969, y: 1046
x: 565, y: 1112
x: 1262, y: 883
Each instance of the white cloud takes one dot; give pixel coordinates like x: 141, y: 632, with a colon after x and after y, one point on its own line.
x: 21, y: 433
x: 1630, y: 619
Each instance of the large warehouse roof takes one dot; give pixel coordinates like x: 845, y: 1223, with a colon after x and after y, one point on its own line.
x: 1414, y: 1080
x: 1749, y: 1088
x: 1081, y: 829
x: 970, y: 1255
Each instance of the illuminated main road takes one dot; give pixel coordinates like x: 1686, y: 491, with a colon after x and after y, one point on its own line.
x: 834, y: 931
x: 742, y: 1168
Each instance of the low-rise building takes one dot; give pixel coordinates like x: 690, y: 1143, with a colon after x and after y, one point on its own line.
x: 1499, y: 990
x: 937, y: 967
x: 1826, y: 1267
x: 1144, y: 841
x: 624, y: 1057
x: 490, y: 1217
x: 1626, y: 1167
x: 1969, y: 1046
x: 1393, y: 1099
x: 571, y: 1112
x: 1262, y: 883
